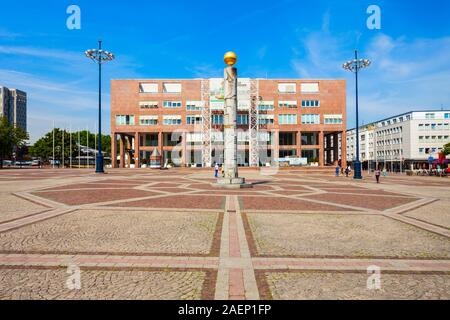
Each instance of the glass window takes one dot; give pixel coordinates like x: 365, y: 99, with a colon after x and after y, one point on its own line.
x: 217, y: 119
x: 287, y: 87
x: 172, y: 87
x: 287, y: 119
x: 122, y: 120
x: 172, y: 104
x: 148, y: 87
x: 310, y: 119
x: 242, y: 119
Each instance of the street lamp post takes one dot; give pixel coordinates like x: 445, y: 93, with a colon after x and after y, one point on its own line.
x: 99, y: 56
x: 354, y: 66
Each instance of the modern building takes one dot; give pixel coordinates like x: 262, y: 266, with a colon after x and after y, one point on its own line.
x: 13, y: 106
x: 302, y: 120
x: 401, y: 141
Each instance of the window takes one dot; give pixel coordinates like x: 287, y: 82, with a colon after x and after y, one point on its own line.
x: 266, y: 106
x: 148, y: 120
x: 148, y: 104
x: 287, y: 88
x: 310, y: 119
x: 287, y: 104
x: 310, y: 87
x: 430, y: 116
x: 172, y: 87
x: 310, y: 103
x: 217, y: 119
x: 171, y: 120
x: 148, y: 87
x: 194, y: 105
x: 287, y: 119
x: 447, y: 116
x: 333, y: 119
x: 124, y: 120
x: 172, y: 104
x: 265, y: 119
x: 194, y: 119
x: 242, y: 119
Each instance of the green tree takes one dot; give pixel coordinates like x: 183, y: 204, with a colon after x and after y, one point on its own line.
x: 446, y: 150
x: 10, y: 138
x: 43, y: 148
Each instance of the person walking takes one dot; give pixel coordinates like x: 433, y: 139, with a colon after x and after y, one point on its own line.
x: 347, y: 171
x: 377, y: 175
x: 338, y: 170
x: 216, y: 170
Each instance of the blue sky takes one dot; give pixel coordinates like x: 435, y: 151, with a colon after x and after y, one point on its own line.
x: 186, y: 39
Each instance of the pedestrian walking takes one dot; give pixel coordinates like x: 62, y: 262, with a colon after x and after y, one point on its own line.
x: 216, y: 170
x: 347, y: 171
x: 377, y: 175
x: 338, y: 170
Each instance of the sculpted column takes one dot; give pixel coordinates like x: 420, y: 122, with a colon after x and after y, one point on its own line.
x: 231, y: 179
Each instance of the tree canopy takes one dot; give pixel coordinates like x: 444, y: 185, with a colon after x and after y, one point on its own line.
x: 446, y: 149
x: 43, y: 148
x: 11, y: 137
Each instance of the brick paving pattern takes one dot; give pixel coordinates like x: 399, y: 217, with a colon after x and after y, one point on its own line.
x: 145, y: 234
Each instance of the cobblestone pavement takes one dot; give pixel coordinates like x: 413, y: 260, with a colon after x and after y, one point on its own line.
x: 143, y: 234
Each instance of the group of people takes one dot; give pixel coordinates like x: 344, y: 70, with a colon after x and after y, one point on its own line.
x: 341, y: 171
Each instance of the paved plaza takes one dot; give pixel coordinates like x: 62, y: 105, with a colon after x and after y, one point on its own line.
x: 168, y: 234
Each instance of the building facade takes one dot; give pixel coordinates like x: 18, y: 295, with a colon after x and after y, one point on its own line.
x: 401, y: 141
x: 183, y: 120
x: 13, y: 106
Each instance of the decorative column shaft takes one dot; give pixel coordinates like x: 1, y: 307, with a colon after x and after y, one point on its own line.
x: 230, y: 134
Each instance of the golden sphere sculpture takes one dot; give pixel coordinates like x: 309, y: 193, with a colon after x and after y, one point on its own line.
x: 230, y: 58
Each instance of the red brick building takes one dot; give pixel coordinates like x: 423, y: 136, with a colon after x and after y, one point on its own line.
x: 277, y: 120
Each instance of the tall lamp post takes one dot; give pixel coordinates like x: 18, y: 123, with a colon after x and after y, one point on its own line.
x: 99, y: 56
x: 354, y: 66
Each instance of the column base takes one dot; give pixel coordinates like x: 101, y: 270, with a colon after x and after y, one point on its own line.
x: 357, y: 168
x: 232, y: 183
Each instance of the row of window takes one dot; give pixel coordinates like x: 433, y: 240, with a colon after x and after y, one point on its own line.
x: 396, y: 152
x: 429, y: 150
x: 170, y: 87
x: 197, y: 105
x: 389, y: 131
x: 434, y: 126
x: 433, y: 138
x: 217, y: 119
x: 389, y: 142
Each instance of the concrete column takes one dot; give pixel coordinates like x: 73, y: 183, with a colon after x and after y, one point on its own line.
x: 122, y: 151
x: 321, y: 149
x: 183, y: 151
x: 137, y: 153
x: 335, y: 147
x: 128, y: 147
x: 113, y: 150
x: 344, y: 148
x: 275, y: 146
x: 299, y: 144
x: 160, y: 146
